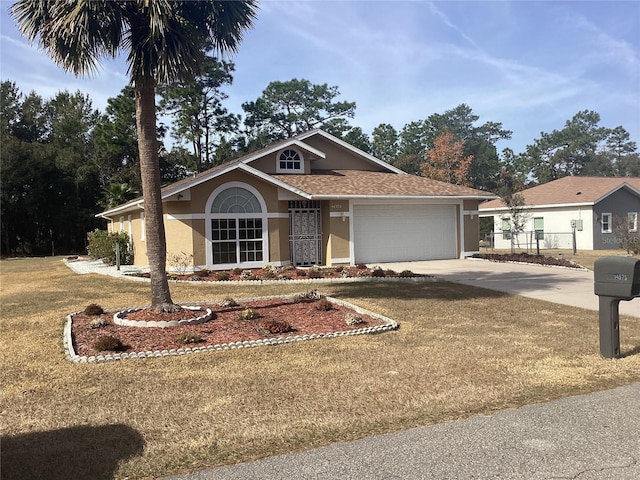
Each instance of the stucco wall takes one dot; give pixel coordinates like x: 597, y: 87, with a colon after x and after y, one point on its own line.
x: 337, y: 157
x: 471, y: 226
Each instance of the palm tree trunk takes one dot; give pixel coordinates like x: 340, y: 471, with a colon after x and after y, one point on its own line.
x: 151, y: 191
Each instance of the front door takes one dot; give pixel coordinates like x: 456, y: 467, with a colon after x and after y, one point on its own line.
x: 305, y: 233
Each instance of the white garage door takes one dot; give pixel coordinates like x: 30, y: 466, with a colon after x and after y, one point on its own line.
x: 397, y: 233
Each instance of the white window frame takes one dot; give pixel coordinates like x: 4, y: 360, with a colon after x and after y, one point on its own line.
x: 280, y: 169
x: 121, y: 221
x: 609, y: 218
x: 632, y: 222
x: 208, y: 216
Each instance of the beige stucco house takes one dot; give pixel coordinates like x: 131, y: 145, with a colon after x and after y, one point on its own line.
x: 312, y: 199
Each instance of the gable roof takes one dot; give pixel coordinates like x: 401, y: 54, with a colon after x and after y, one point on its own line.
x: 357, y: 183
x: 571, y: 190
x: 390, y: 182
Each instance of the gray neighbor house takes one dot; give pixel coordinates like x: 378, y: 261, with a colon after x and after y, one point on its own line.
x: 598, y: 210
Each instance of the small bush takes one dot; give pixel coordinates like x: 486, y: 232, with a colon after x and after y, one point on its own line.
x: 108, y: 343
x: 353, y: 319
x: 237, y: 271
x: 97, y: 323
x: 269, y: 274
x: 338, y: 269
x: 363, y: 273
x: 201, y: 273
x: 189, y: 337
x: 390, y: 273
x: 378, y: 273
x: 324, y: 305
x: 181, y: 262
x: 314, y: 273
x: 267, y: 267
x: 361, y: 266
x: 247, y: 275
x: 228, y: 302
x: 223, y: 276
x: 288, y: 268
x: 301, y: 273
x: 274, y: 326
x: 93, y: 309
x: 249, y: 314
x: 407, y: 273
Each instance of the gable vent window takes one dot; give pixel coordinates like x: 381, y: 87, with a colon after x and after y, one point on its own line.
x: 290, y: 161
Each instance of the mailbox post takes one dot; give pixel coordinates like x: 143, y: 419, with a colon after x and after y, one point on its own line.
x: 615, y: 279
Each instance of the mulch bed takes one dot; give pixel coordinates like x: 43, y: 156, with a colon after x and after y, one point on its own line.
x: 225, y: 326
x: 527, y: 258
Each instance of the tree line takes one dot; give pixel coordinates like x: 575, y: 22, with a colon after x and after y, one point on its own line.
x: 63, y: 160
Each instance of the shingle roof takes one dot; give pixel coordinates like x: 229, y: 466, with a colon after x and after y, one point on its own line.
x: 368, y: 183
x: 569, y: 190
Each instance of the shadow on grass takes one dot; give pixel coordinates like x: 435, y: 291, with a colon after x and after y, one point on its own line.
x: 415, y: 291
x: 83, y: 452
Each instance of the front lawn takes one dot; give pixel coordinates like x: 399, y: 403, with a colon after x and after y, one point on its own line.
x: 459, y: 351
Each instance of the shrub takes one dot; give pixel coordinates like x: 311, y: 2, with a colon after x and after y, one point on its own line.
x: 102, y: 246
x: 274, y: 326
x: 288, y: 268
x: 93, y: 309
x: 407, y: 273
x: 181, y: 262
x: 189, y: 337
x: 237, y: 271
x: 97, y: 323
x: 228, y: 302
x: 223, y: 276
x: 353, y: 319
x: 314, y: 273
x: 247, y: 275
x: 338, y: 269
x: 107, y: 342
x: 324, y: 305
x: 267, y: 267
x: 249, y: 314
x: 269, y: 274
x: 201, y: 273
x: 378, y: 272
x: 301, y: 273
x: 361, y: 266
x: 390, y: 273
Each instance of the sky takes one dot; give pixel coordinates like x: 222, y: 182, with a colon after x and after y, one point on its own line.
x: 529, y: 65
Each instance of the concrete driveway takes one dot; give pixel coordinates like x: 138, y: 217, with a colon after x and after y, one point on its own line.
x: 559, y: 285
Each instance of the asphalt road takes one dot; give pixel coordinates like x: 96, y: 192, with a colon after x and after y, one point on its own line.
x: 587, y: 437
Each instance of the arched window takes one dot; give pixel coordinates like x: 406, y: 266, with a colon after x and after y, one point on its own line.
x: 237, y: 223
x: 236, y: 200
x: 290, y: 161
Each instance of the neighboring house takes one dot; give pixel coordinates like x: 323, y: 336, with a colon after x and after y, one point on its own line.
x: 312, y: 199
x: 598, y: 209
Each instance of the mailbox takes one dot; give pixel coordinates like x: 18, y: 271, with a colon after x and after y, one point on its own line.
x: 615, y: 279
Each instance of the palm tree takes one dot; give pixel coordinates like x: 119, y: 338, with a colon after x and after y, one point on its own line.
x: 163, y: 41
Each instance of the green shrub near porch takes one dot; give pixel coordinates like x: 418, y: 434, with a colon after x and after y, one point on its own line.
x: 102, y: 246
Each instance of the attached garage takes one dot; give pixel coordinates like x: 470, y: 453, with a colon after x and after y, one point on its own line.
x: 398, y: 233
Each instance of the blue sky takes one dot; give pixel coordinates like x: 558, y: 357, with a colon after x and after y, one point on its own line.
x: 529, y: 65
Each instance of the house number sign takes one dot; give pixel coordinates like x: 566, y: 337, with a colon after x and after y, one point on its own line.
x: 618, y: 277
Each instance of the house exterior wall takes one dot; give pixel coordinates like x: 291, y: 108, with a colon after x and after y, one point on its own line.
x: 619, y: 204
x: 471, y: 227
x: 337, y: 157
x: 338, y: 248
x: 557, y: 228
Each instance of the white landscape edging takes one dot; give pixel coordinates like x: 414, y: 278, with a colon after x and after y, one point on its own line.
x: 71, y: 355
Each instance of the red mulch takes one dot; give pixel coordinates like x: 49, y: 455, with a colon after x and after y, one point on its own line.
x: 225, y: 326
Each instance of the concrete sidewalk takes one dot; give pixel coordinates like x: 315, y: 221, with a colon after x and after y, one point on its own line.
x: 566, y: 286
x: 587, y: 437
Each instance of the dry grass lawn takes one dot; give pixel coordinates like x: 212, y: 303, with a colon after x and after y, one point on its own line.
x: 460, y: 351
